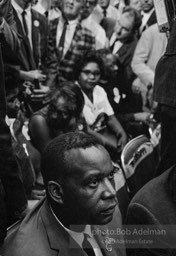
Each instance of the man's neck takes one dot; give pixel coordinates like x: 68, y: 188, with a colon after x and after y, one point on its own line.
x: 65, y: 221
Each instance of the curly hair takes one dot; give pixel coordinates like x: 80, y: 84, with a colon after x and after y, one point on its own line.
x: 88, y: 57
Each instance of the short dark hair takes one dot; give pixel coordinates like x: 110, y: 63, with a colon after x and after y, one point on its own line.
x: 73, y: 94
x: 54, y: 163
x: 137, y: 17
x: 88, y: 57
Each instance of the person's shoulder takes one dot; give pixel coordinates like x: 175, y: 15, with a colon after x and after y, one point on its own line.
x: 28, y: 236
x: 85, y: 31
x: 153, y: 191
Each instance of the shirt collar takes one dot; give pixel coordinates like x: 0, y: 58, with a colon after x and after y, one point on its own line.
x: 70, y: 22
x: 147, y: 13
x: 77, y: 236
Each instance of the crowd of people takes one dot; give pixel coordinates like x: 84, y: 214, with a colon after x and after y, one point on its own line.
x: 79, y: 80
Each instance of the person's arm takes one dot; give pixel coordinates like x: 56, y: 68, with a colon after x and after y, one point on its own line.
x: 141, y: 56
x: 118, y: 130
x: 52, y: 58
x: 39, y: 132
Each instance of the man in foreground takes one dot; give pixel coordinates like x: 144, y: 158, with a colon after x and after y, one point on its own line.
x: 79, y: 179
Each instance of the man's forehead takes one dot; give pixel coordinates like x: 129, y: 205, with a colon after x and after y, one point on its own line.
x: 89, y: 155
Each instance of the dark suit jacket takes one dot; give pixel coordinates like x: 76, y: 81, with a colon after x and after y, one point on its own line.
x: 82, y: 42
x: 155, y: 204
x: 152, y: 19
x: 8, y: 37
x: 39, y: 234
x: 28, y: 58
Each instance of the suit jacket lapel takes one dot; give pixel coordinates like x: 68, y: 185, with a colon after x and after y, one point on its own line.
x: 76, y: 38
x: 59, y: 239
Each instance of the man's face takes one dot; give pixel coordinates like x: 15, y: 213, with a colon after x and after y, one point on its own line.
x: 123, y: 27
x: 88, y: 8
x: 71, y: 8
x: 23, y: 3
x: 147, y: 5
x: 136, y: 4
x: 104, y: 3
x: 89, y: 191
x: 110, y: 63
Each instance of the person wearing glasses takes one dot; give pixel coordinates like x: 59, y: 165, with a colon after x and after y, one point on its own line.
x: 97, y: 110
x: 68, y: 41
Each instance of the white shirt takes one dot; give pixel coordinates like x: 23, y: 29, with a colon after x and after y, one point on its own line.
x: 39, y: 8
x: 118, y: 44
x: 97, y: 31
x: 71, y: 27
x: 79, y: 236
x: 53, y: 13
x: 99, y: 105
x: 145, y: 17
x: 111, y: 12
x: 28, y: 18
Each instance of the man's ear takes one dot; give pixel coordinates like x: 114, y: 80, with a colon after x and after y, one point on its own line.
x: 55, y: 191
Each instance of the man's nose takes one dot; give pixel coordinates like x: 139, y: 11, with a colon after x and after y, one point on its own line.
x: 108, y: 189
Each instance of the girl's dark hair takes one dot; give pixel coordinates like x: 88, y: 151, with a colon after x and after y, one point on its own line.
x: 88, y: 57
x: 72, y: 93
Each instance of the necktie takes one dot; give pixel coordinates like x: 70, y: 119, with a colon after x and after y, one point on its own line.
x: 87, y: 247
x: 46, y: 14
x: 24, y: 22
x: 104, y: 12
x: 62, y: 40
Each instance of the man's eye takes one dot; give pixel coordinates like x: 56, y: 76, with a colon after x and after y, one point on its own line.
x: 93, y: 183
x: 111, y: 175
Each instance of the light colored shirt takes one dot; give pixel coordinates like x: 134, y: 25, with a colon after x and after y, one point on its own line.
x: 71, y: 27
x: 53, y: 13
x: 145, y: 17
x: 99, y: 105
x: 117, y: 45
x: 97, y: 31
x: 79, y: 236
x: 28, y: 18
x: 111, y: 12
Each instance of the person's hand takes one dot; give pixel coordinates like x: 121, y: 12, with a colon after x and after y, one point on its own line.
x: 136, y: 86
x: 37, y: 194
x: 33, y: 75
x: 142, y: 117
x: 122, y: 140
x: 38, y: 94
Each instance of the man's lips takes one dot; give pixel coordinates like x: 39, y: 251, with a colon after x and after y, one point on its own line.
x: 109, y: 210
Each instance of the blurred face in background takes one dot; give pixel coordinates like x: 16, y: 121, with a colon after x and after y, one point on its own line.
x: 88, y: 8
x: 110, y: 63
x: 23, y: 3
x: 61, y: 115
x: 13, y: 104
x: 147, y: 5
x: 104, y: 3
x: 124, y: 26
x: 136, y: 4
x: 72, y: 8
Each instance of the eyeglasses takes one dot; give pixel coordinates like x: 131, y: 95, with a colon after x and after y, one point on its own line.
x: 89, y: 72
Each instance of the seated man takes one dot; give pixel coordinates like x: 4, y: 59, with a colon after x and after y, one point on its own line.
x: 80, y: 194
